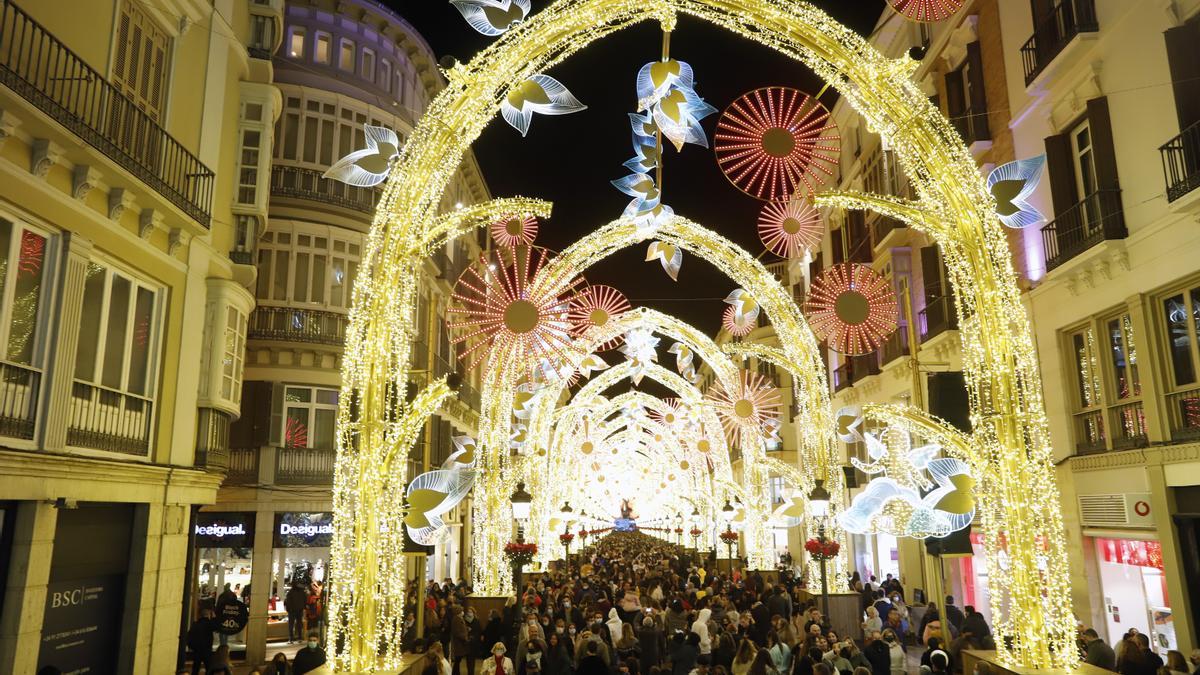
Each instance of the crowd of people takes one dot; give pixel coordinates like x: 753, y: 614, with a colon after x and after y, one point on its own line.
x: 639, y: 606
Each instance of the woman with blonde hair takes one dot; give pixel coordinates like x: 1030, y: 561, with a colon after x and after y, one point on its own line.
x: 744, y: 658
x: 873, y: 621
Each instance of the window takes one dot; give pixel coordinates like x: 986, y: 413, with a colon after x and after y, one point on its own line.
x: 296, y: 38
x: 254, y: 156
x: 346, y: 55
x: 321, y: 52
x: 309, y: 415
x: 368, y: 65
x: 307, y: 267
x: 777, y: 489
x: 385, y: 74
x: 23, y: 292
x: 118, y: 332
x: 317, y: 132
x: 966, y: 100
x: 247, y: 190
x: 1181, y: 314
x: 1084, y: 163
x: 1089, y: 417
x: 231, y: 360
x: 1123, y: 355
x: 140, y: 62
x: 262, y: 32
x: 1107, y: 385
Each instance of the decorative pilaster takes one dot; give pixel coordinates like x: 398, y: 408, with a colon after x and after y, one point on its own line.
x: 25, y: 592
x: 60, y: 361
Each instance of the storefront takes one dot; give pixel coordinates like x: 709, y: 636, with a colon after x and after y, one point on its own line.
x: 969, y: 579
x: 876, y: 555
x: 299, y: 556
x: 224, y: 559
x: 1135, y: 590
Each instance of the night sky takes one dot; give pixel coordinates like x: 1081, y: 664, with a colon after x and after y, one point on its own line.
x: 570, y: 159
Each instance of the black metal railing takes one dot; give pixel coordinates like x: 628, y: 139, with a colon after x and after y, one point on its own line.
x: 1097, y: 218
x: 304, y: 466
x: 1128, y: 424
x: 1089, y: 432
x: 1183, y: 414
x: 1181, y: 162
x: 882, y: 227
x: 243, y: 466
x: 110, y: 420
x: 843, y: 377
x: 1054, y: 31
x: 302, y: 183
x: 896, y: 345
x: 939, y: 316
x: 42, y: 70
x: 470, y: 396
x: 972, y: 125
x: 855, y: 369
x: 19, y: 390
x: 297, y: 325
x: 242, y: 257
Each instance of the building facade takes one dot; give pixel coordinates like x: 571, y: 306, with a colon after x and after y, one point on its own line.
x: 1109, y: 91
x: 121, y: 125
x: 337, y: 66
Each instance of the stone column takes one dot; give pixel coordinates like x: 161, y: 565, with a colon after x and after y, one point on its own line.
x: 260, y: 586
x: 60, y: 357
x: 1162, y: 506
x: 172, y: 577
x: 25, y: 588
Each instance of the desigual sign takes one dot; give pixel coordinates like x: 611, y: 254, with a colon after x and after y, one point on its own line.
x: 221, y: 531
x: 286, y: 529
x: 303, y: 530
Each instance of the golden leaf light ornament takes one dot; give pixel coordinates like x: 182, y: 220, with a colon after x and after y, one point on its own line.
x: 851, y: 308
x: 776, y: 143
x: 496, y: 307
x: 492, y: 17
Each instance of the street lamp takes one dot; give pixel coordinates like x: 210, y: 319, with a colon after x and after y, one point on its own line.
x: 818, y: 505
x: 521, y: 501
x: 727, y: 513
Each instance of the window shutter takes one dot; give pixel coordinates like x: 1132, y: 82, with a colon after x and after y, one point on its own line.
x: 979, y: 117
x: 931, y: 273
x: 275, y: 434
x: 1183, y: 57
x: 839, y: 246
x: 251, y: 429
x: 1061, y: 167
x: 859, y: 245
x: 955, y: 103
x: 1102, y: 144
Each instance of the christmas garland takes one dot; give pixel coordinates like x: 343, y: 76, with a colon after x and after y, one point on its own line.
x: 822, y: 549
x: 519, y: 553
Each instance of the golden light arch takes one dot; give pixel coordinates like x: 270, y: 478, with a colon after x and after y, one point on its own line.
x: 1009, y: 442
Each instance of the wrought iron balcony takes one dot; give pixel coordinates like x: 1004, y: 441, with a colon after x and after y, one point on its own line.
x: 854, y: 370
x: 19, y: 390
x: 1097, y: 218
x: 1128, y: 426
x: 295, y: 324
x: 43, y: 71
x: 304, y: 466
x: 1181, y: 162
x: 299, y: 182
x: 109, y: 420
x: 881, y: 227
x: 972, y: 125
x: 1089, y: 432
x: 1183, y: 413
x: 896, y: 345
x: 1054, y: 31
x: 243, y: 466
x: 939, y: 316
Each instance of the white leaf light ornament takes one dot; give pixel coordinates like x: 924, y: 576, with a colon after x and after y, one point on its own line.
x: 683, y: 361
x: 541, y: 94
x: 1012, y: 184
x: 432, y: 494
x: 678, y: 115
x: 591, y: 363
x: 849, y: 421
x: 492, y: 17
x: 745, y: 308
x: 670, y: 255
x: 368, y: 167
x: 656, y: 79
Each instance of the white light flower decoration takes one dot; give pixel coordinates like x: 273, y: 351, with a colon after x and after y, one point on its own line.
x: 492, y: 17
x: 370, y: 166
x: 541, y: 94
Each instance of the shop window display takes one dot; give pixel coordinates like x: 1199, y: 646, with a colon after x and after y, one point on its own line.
x: 299, y: 560
x: 1135, y: 590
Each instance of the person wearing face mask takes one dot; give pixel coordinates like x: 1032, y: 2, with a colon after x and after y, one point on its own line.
x: 530, y: 630
x: 310, y: 657
x: 498, y: 664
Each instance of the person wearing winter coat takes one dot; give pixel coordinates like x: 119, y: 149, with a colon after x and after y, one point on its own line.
x: 557, y: 659
x: 650, y: 639
x: 700, y: 628
x: 677, y: 618
x: 498, y: 663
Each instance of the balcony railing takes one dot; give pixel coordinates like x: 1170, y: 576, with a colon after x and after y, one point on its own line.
x: 297, y: 325
x: 302, y: 183
x: 39, y: 68
x: 19, y: 389
x: 1054, y: 31
x: 1097, y: 218
x: 896, y: 345
x: 843, y: 377
x: 470, y: 396
x: 854, y: 370
x: 882, y: 227
x: 1181, y: 162
x: 243, y: 466
x: 972, y: 125
x: 1183, y: 413
x: 304, y: 466
x: 1089, y: 432
x: 110, y: 420
x: 938, y: 317
x: 1128, y: 424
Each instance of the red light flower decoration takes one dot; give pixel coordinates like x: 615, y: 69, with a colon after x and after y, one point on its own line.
x: 791, y: 229
x: 498, y: 309
x: 772, y: 142
x: 749, y: 407
x: 514, y: 231
x: 735, y: 327
x: 926, y: 10
x: 822, y: 549
x: 729, y: 537
x: 595, y: 306
x: 852, y: 308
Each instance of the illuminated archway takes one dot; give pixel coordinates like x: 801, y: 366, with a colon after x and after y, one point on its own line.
x: 1009, y: 445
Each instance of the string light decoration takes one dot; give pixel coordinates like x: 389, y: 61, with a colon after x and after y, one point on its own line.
x: 672, y: 414
x: 926, y: 10
x: 748, y: 407
x: 594, y: 307
x: 1009, y: 449
x: 497, y: 309
x: 735, y: 326
x: 776, y: 142
x: 514, y: 231
x: 852, y: 308
x: 790, y: 229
